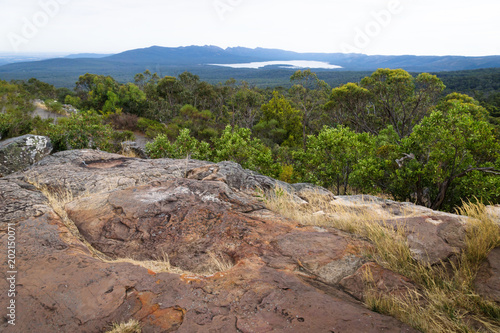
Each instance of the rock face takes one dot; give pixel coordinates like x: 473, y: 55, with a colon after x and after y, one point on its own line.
x: 432, y: 236
x: 278, y: 275
x: 19, y: 153
x: 132, y: 148
x: 488, y: 278
x: 245, y: 268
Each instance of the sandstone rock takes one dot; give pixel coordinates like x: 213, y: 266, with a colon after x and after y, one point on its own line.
x: 432, y: 238
x: 301, y: 188
x: 243, y: 179
x: 283, y: 279
x: 494, y: 212
x: 377, y: 278
x: 488, y: 278
x: 206, y: 173
x: 19, y: 153
x: 132, y: 148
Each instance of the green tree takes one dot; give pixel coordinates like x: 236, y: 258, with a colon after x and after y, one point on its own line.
x: 308, y: 94
x: 185, y: 146
x: 236, y: 144
x: 349, y: 104
x: 280, y: 122
x: 332, y: 155
x: 445, y: 148
x: 401, y: 100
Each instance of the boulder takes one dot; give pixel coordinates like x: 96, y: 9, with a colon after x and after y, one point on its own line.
x: 377, y: 279
x: 487, y: 281
x: 280, y: 276
x: 494, y: 212
x: 19, y: 153
x: 133, y: 149
x: 432, y: 238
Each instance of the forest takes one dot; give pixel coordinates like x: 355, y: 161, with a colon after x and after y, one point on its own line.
x: 392, y: 133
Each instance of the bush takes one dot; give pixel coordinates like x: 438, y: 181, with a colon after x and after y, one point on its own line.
x: 151, y: 128
x: 14, y: 124
x: 185, y: 145
x: 235, y: 144
x: 54, y: 106
x: 81, y: 131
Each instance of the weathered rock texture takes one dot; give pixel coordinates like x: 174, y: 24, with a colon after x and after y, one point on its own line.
x: 285, y: 277
x: 488, y: 278
x: 19, y: 153
x: 132, y: 148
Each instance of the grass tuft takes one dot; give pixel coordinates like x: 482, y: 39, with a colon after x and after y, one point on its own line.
x: 132, y: 326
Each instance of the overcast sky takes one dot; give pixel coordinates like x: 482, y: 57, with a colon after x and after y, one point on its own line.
x: 389, y: 27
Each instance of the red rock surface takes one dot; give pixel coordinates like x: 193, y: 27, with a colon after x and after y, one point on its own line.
x: 488, y: 278
x: 285, y: 276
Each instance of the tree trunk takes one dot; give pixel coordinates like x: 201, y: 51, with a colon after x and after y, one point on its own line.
x: 441, y: 195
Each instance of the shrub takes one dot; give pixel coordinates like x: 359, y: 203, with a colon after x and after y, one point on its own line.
x: 80, y: 131
x: 54, y: 106
x: 183, y: 146
x: 151, y: 128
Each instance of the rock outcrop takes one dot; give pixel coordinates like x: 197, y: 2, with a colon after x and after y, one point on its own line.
x: 488, y: 278
x: 19, y: 153
x: 239, y: 266
x: 132, y: 148
x: 276, y: 275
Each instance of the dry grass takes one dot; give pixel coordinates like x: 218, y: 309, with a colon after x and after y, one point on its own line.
x: 445, y: 300
x: 360, y: 220
x: 218, y: 263
x: 132, y: 326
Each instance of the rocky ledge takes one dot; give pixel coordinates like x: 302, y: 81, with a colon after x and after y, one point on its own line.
x: 238, y: 266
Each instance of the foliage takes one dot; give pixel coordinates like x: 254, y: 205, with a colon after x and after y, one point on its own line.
x: 332, y: 155
x: 280, y: 123
x: 38, y: 89
x: 448, y: 147
x: 387, y: 97
x: 308, y: 94
x: 236, y: 144
x: 81, y: 131
x: 442, y: 156
x: 54, y: 106
x: 151, y: 127
x: 184, y: 146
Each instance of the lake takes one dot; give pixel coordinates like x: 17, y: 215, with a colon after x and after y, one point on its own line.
x: 291, y: 64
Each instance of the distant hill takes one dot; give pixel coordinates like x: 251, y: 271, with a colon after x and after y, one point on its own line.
x: 88, y: 55
x: 197, y: 59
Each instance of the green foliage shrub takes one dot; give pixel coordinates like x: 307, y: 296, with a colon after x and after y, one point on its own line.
x: 184, y: 146
x: 54, y: 106
x: 151, y: 128
x: 15, y: 124
x: 236, y: 144
x: 81, y: 131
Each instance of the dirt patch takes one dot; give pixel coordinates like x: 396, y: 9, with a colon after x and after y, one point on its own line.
x: 104, y: 164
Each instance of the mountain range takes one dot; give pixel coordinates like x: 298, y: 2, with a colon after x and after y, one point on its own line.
x: 200, y: 59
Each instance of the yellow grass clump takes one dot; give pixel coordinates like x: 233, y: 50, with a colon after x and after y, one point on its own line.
x: 132, y: 326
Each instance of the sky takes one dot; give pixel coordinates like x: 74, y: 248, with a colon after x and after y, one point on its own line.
x: 385, y: 27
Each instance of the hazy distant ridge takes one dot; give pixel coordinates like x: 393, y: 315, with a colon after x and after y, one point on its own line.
x: 196, y: 59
